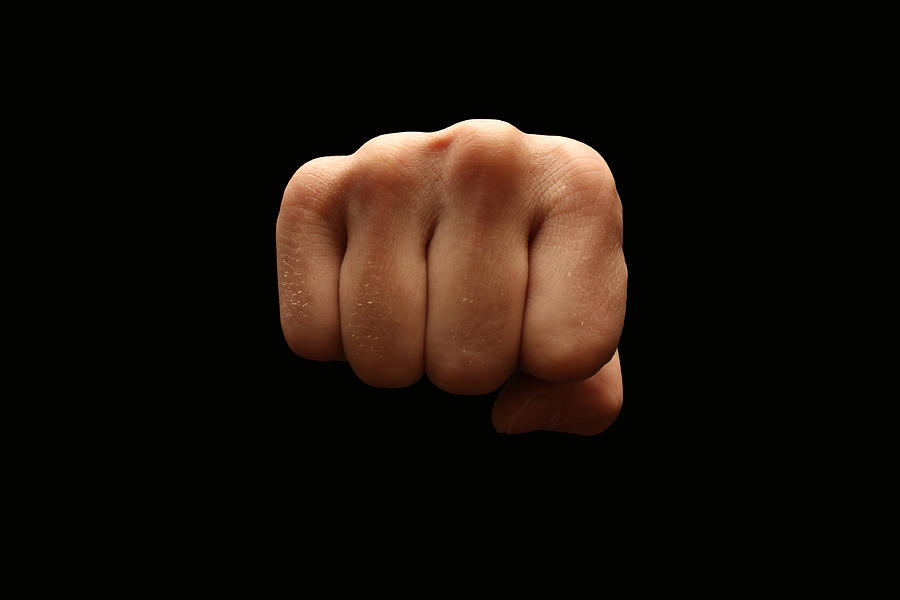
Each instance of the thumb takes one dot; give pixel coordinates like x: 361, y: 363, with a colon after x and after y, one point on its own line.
x: 584, y: 407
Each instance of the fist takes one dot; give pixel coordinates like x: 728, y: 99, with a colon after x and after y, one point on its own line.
x: 478, y: 255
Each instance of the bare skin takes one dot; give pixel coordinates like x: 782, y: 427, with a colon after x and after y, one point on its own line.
x: 477, y: 255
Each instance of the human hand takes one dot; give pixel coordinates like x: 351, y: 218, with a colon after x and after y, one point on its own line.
x: 476, y: 254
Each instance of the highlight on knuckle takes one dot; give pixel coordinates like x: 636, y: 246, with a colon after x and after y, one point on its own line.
x: 311, y: 192
x: 581, y: 181
x: 582, y: 165
x: 382, y: 170
x: 381, y: 188
x: 485, y: 152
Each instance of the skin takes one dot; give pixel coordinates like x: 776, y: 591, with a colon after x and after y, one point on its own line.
x: 477, y: 255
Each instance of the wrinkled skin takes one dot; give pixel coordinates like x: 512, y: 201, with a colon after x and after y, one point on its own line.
x: 478, y: 255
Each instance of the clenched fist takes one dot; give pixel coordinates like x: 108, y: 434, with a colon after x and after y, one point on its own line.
x: 471, y: 254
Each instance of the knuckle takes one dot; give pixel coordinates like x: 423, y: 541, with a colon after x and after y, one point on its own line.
x: 490, y: 129
x: 571, y: 359
x: 311, y: 192
x: 316, y: 343
x: 459, y: 376
x: 583, y: 183
x: 382, y: 168
x: 387, y: 142
x: 384, y: 175
x: 382, y: 375
x: 471, y: 367
x: 582, y: 166
x: 485, y: 151
x: 390, y: 154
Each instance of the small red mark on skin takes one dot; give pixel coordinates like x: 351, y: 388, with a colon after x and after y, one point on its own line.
x: 439, y: 142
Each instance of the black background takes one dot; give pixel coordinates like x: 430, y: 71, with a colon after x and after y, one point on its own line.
x: 676, y: 141
x: 216, y: 429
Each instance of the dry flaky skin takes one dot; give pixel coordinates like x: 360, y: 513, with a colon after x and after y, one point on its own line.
x: 465, y: 254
